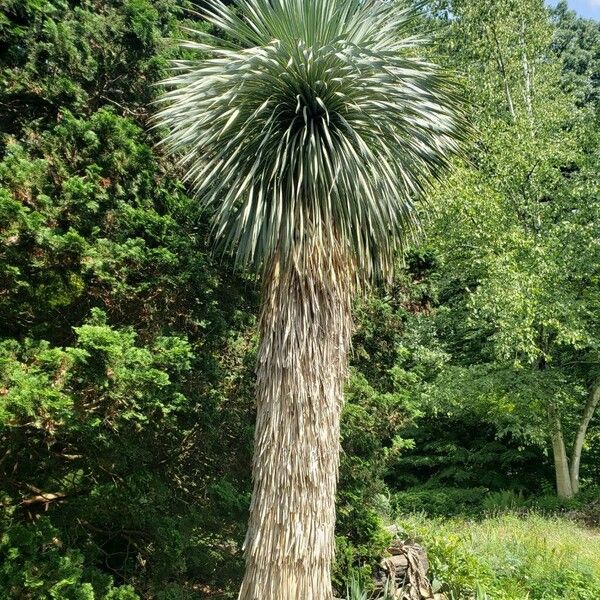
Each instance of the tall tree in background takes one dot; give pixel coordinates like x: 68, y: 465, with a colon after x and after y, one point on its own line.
x: 576, y: 40
x: 308, y: 131
x: 517, y: 234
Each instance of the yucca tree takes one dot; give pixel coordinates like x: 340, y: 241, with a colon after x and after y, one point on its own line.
x: 309, y: 128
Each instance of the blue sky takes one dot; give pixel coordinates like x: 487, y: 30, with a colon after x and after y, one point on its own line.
x: 586, y: 8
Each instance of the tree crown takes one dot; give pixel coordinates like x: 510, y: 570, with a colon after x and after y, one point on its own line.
x: 308, y: 124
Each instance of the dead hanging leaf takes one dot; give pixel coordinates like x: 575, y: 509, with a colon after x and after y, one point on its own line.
x: 405, y: 572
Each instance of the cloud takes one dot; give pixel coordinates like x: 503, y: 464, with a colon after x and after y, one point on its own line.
x: 593, y: 3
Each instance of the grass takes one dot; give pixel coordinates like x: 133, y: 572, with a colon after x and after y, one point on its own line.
x: 510, y: 557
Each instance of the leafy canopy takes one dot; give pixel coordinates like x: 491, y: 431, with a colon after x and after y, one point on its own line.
x: 310, y: 123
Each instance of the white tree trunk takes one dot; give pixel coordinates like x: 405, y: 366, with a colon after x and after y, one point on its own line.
x: 305, y: 336
x: 561, y: 462
x: 588, y: 413
x: 527, y: 93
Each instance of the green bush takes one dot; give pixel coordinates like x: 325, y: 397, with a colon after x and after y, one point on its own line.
x: 505, y: 500
x: 362, y: 542
x: 35, y: 564
x: 126, y: 351
x: 444, y: 501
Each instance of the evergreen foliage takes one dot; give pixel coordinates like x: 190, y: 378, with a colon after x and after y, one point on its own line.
x: 124, y: 343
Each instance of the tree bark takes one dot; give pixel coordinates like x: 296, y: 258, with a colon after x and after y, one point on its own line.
x: 305, y: 329
x: 561, y: 462
x: 588, y: 413
x: 526, y: 75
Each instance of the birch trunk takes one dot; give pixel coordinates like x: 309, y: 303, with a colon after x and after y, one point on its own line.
x: 561, y: 462
x: 305, y: 331
x: 526, y: 75
x: 588, y: 413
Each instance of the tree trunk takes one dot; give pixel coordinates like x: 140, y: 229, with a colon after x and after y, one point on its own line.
x: 588, y: 413
x: 526, y: 75
x: 561, y: 462
x: 305, y: 331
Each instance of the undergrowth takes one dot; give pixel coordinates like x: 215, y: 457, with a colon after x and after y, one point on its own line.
x: 510, y: 557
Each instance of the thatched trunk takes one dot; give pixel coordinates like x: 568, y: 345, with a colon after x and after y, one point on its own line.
x: 305, y: 331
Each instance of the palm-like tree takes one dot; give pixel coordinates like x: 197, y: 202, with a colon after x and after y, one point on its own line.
x: 309, y: 129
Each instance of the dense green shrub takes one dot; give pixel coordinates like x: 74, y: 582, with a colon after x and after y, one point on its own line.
x: 481, y: 502
x: 34, y: 564
x: 440, y: 501
x: 359, y: 551
x: 122, y: 342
